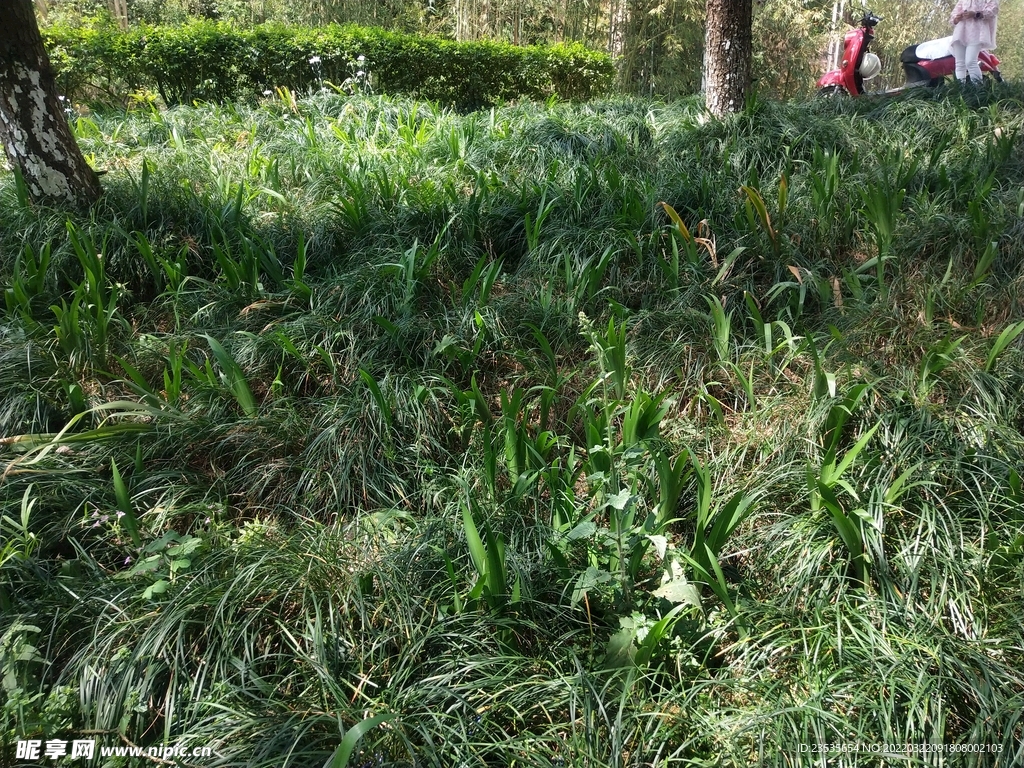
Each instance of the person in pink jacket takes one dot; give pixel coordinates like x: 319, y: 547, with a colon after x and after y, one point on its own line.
x: 974, y: 30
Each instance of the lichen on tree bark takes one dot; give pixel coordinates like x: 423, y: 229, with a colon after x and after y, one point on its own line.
x: 36, y: 136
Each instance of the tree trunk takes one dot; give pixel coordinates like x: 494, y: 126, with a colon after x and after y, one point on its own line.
x: 835, y: 36
x: 119, y: 10
x: 728, y: 53
x: 33, y: 129
x: 618, y: 19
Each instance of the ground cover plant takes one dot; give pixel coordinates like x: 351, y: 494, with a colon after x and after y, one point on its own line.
x: 357, y: 431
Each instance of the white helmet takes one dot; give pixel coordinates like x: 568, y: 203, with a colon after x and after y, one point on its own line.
x: 870, y: 66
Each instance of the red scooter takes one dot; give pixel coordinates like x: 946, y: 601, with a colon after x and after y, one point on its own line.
x: 858, y: 63
x: 923, y: 64
x: 929, y: 63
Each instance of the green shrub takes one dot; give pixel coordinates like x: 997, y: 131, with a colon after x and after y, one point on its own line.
x: 196, y: 61
x: 209, y: 61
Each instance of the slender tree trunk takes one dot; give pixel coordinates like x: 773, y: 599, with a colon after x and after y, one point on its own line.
x: 637, y: 46
x: 460, y: 24
x: 728, y: 54
x: 119, y: 10
x: 835, y: 39
x: 33, y: 129
x: 618, y: 19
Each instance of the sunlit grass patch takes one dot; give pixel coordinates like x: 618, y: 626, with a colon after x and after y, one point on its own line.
x: 556, y: 434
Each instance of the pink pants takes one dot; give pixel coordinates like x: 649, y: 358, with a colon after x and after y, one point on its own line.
x: 966, y: 57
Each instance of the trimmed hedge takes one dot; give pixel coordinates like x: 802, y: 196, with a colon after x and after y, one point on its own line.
x: 211, y: 61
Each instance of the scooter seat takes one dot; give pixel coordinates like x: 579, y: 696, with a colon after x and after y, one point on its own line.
x: 933, y: 49
x: 909, y: 55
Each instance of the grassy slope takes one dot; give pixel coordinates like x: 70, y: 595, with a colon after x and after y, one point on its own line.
x: 422, y: 319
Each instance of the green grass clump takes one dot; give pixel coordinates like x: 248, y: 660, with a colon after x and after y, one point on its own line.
x: 357, y: 431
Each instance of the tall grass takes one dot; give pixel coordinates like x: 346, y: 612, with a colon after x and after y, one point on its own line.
x: 351, y: 430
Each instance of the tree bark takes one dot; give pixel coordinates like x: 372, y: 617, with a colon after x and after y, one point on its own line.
x: 728, y: 54
x: 35, y: 133
x: 119, y: 10
x: 618, y: 19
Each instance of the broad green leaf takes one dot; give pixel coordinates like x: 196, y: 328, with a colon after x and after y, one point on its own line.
x: 679, y: 590
x: 680, y: 226
x: 660, y: 544
x: 654, y: 636
x: 378, y: 396
x: 620, y: 500
x: 156, y: 588
x: 620, y: 649
x: 496, y: 575
x: 896, y: 487
x: 476, y: 546
x: 852, y: 454
x: 234, y: 376
x: 848, y: 530
x: 755, y: 200
x: 1007, y: 337
x: 584, y: 530
x: 714, y: 577
x: 186, y: 546
x: 124, y: 504
x: 728, y: 518
x: 343, y: 753
x: 147, y: 565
